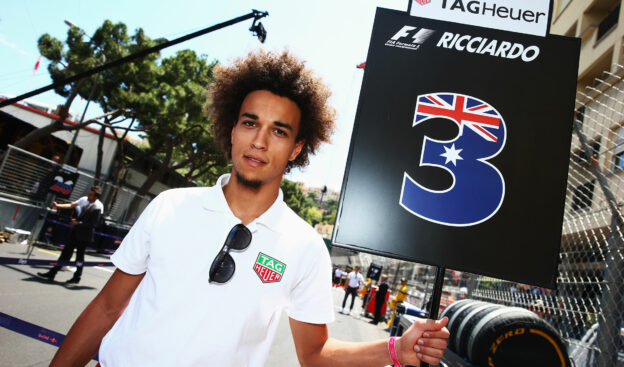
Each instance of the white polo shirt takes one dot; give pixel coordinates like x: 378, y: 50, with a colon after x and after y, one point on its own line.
x: 355, y: 279
x: 177, y: 318
x: 83, y: 202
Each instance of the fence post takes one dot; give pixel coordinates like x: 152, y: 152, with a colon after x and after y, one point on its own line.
x: 611, y: 299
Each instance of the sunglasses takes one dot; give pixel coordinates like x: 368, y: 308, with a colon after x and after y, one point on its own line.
x: 223, y: 265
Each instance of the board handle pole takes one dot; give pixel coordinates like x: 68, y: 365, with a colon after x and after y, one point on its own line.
x: 436, y: 295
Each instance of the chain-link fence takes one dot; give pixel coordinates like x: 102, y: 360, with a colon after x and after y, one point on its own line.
x: 25, y: 177
x: 586, y: 307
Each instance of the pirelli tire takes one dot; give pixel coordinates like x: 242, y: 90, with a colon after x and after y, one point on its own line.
x: 469, y: 319
x: 509, y: 337
x: 455, y: 312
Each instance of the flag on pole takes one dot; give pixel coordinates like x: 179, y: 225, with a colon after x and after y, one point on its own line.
x: 34, y: 72
x: 361, y: 66
x: 37, y: 65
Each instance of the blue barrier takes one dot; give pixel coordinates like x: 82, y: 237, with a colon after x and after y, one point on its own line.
x: 22, y: 261
x: 97, y: 233
x: 32, y: 330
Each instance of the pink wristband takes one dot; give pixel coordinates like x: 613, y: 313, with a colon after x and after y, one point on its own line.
x: 392, y: 351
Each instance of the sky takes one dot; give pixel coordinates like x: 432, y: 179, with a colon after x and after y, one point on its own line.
x: 331, y: 36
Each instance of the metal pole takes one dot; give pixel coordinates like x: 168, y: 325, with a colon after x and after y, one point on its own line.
x: 435, y: 297
x: 611, y: 301
x: 254, y: 14
x: 39, y: 223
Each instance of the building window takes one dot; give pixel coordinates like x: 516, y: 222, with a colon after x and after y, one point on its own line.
x: 609, y: 22
x: 595, y: 150
x: 619, y: 161
x: 583, y: 195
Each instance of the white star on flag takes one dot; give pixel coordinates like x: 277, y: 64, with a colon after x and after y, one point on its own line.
x: 452, y: 155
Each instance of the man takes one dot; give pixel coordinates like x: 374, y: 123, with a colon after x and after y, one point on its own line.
x: 343, y: 277
x: 398, y: 298
x: 169, y: 301
x: 337, y: 274
x: 90, y: 209
x: 354, y: 279
x: 380, y: 298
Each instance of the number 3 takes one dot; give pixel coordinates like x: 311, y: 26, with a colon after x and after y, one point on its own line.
x: 478, y: 187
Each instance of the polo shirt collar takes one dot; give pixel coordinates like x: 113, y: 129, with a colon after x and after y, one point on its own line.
x: 273, y: 218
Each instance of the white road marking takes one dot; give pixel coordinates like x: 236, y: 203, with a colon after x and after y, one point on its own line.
x: 103, y: 269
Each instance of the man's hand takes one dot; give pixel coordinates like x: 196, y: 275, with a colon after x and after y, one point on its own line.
x: 73, y: 222
x: 54, y: 205
x: 424, y: 341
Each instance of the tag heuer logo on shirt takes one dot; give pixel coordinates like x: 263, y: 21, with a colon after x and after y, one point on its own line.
x: 269, y: 269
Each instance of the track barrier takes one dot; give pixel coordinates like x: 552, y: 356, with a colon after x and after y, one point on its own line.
x: 23, y: 261
x: 54, y: 221
x: 33, y: 331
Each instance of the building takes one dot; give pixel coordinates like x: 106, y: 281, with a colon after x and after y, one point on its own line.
x: 323, y: 193
x: 23, y: 170
x: 597, y: 23
x: 21, y: 118
x: 591, y: 270
x: 324, y: 229
x: 35, y: 115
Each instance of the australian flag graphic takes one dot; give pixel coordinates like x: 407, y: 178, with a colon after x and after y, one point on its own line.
x: 478, y: 186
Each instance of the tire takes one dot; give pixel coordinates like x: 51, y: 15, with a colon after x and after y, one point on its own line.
x: 450, y: 309
x: 513, y: 337
x: 456, y: 310
x: 468, y: 321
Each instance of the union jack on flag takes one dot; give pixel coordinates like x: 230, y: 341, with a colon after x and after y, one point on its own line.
x: 466, y: 111
x: 423, y: 2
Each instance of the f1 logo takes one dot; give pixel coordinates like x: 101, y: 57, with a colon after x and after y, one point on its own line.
x: 419, y: 37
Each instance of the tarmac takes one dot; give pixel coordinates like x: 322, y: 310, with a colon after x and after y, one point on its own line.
x: 55, y: 306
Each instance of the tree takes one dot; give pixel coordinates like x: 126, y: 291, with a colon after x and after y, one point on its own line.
x: 177, y: 126
x: 293, y: 197
x: 313, y: 216
x: 118, y: 91
x: 109, y: 89
x: 329, y: 212
x: 166, y: 100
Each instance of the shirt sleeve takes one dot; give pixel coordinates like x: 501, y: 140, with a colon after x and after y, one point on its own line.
x: 82, y: 201
x: 132, y: 256
x: 311, y: 299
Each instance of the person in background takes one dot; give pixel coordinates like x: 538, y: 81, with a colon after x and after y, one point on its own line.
x: 343, y: 277
x: 337, y: 275
x: 380, y: 298
x: 399, y: 297
x: 82, y: 233
x: 366, y: 288
x: 354, y: 279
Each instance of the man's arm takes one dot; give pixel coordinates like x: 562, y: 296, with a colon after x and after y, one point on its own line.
x: 56, y: 205
x: 84, y: 338
x: 315, y: 348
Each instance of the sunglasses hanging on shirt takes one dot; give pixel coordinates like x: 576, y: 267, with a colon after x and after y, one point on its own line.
x: 223, y: 265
